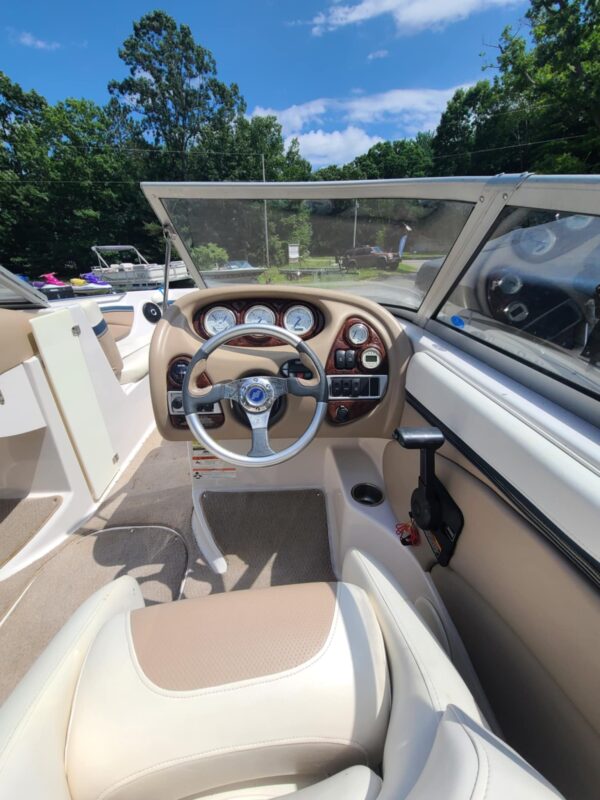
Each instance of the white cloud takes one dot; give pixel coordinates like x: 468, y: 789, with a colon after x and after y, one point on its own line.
x: 409, y: 15
x: 408, y: 110
x: 296, y: 117
x: 29, y: 40
x: 414, y: 109
x: 334, y: 147
x: 418, y: 108
x: 376, y: 54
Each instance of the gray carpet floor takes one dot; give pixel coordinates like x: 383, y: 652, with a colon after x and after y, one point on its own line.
x: 155, y: 556
x: 268, y: 538
x: 20, y: 520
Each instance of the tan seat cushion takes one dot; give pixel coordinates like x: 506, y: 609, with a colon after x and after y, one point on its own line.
x: 196, y: 695
x: 17, y: 338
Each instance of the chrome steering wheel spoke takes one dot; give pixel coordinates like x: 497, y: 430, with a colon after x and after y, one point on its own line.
x: 259, y: 424
x: 192, y: 403
x: 304, y: 390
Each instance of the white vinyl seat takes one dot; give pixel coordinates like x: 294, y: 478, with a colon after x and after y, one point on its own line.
x: 257, y: 694
x: 136, y: 365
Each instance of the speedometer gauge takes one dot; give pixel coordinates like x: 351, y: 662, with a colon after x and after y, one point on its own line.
x: 299, y: 319
x: 218, y: 319
x: 259, y: 315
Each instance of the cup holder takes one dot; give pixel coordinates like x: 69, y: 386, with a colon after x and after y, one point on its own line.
x: 367, y: 494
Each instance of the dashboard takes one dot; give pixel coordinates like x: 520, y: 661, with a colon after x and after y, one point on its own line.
x: 303, y: 319
x: 361, y: 346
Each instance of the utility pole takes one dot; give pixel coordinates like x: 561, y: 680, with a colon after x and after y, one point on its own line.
x: 264, y: 174
x: 355, y: 223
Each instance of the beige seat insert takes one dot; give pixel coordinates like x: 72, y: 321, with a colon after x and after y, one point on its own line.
x: 199, y: 695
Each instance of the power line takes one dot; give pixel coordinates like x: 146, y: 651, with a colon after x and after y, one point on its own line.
x: 510, y: 146
x: 153, y: 150
x: 200, y: 149
x: 134, y: 181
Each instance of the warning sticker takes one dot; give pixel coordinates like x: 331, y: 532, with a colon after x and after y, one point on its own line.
x: 206, y: 465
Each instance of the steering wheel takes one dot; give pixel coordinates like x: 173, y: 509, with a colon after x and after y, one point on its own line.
x: 256, y: 395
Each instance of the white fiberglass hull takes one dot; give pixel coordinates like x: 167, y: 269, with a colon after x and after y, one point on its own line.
x: 126, y: 277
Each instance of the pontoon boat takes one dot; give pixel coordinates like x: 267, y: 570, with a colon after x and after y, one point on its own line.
x: 126, y: 276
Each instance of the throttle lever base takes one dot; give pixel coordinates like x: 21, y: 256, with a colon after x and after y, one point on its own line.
x: 431, y: 506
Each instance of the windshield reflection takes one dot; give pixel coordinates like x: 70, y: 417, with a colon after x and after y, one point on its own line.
x: 384, y: 249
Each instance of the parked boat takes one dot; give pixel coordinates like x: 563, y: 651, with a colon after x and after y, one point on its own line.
x: 139, y: 273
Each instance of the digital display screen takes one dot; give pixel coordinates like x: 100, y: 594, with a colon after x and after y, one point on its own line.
x: 370, y: 358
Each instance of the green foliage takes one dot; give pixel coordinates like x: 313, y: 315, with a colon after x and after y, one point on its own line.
x: 404, y: 158
x: 173, y: 87
x: 295, y: 226
x: 70, y: 172
x: 541, y: 112
x: 209, y: 256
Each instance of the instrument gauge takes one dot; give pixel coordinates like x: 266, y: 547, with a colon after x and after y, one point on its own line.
x: 218, y: 319
x: 535, y: 243
x: 510, y: 283
x: 370, y: 358
x: 259, y: 315
x: 358, y: 333
x: 178, y: 370
x: 577, y: 222
x: 299, y: 319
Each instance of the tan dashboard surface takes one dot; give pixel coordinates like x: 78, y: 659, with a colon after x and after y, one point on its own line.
x: 175, y: 336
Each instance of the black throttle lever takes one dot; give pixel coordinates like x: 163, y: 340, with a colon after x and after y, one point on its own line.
x: 431, y: 507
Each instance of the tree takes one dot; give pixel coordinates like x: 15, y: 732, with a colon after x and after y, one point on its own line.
x: 542, y: 110
x: 209, y: 256
x: 173, y: 89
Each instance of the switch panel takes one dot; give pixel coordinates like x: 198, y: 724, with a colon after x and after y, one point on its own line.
x: 353, y: 387
x: 175, y: 401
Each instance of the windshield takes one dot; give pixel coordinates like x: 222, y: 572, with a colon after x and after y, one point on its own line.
x: 17, y: 292
x: 388, y: 250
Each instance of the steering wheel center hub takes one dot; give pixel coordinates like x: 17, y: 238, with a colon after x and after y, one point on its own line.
x: 256, y: 395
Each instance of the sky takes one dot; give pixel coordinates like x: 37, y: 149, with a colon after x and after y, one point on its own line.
x: 340, y: 75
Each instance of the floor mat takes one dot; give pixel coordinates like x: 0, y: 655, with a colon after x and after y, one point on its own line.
x: 20, y: 520
x: 156, y: 556
x: 270, y: 538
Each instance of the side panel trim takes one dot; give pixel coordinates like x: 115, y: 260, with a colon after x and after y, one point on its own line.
x: 584, y: 562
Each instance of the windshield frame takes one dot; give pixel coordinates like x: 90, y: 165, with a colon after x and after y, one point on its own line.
x: 460, y: 189
x: 489, y: 196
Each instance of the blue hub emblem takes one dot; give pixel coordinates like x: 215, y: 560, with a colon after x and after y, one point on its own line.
x: 256, y: 395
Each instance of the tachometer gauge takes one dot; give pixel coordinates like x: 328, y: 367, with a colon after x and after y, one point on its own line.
x: 218, y: 319
x: 259, y: 315
x: 299, y: 319
x: 535, y: 243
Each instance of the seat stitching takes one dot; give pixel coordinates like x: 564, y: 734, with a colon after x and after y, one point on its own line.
x: 238, y: 685
x: 427, y: 680
x: 161, y: 766
x: 480, y: 754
